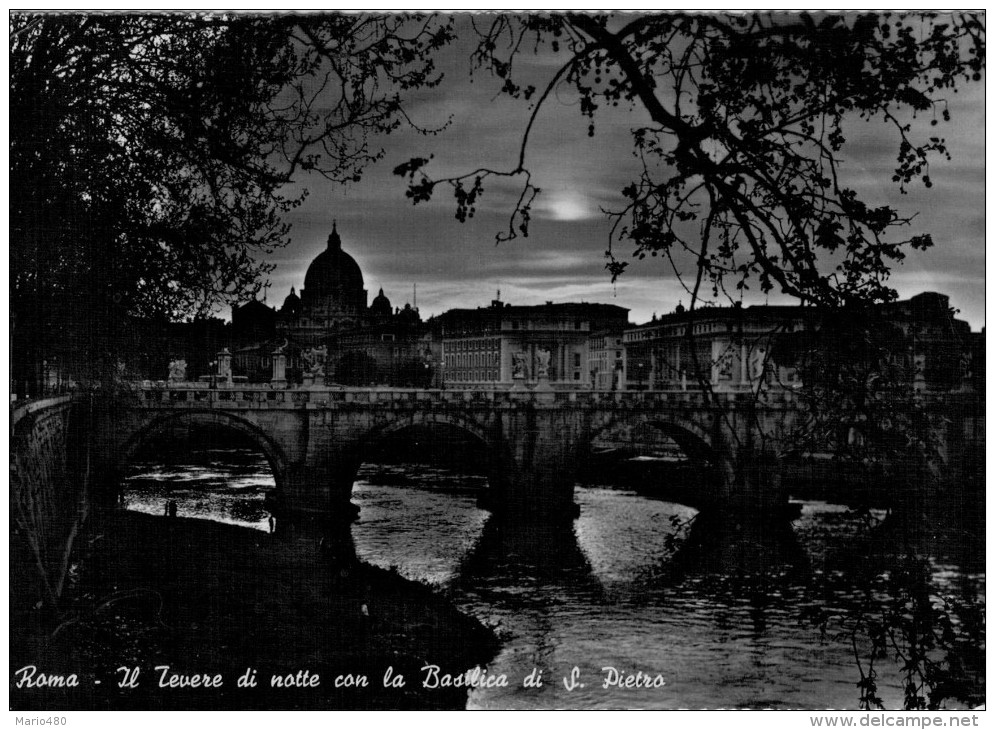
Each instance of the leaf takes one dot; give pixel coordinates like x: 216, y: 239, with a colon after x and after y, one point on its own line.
x: 409, y: 168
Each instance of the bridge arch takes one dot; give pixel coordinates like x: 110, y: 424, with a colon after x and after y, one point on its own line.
x: 697, y: 441
x: 156, y: 428
x: 490, y: 442
x: 412, y: 420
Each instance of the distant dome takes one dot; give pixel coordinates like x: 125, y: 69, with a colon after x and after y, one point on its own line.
x: 334, y: 273
x: 381, y: 309
x: 292, y: 304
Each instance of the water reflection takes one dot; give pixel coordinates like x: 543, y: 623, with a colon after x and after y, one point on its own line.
x: 512, y: 552
x: 223, y: 484
x: 731, y: 613
x: 722, y: 543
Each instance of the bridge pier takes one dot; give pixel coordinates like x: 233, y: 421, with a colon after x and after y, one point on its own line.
x: 316, y: 492
x: 756, y: 488
x: 536, y: 478
x: 540, y: 492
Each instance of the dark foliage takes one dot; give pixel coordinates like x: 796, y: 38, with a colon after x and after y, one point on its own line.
x: 356, y: 369
x: 740, y: 162
x: 151, y: 156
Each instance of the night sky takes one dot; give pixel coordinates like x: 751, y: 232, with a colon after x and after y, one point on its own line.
x: 458, y: 265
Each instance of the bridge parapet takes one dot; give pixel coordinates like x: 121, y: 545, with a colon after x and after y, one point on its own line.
x: 20, y: 409
x: 315, y: 398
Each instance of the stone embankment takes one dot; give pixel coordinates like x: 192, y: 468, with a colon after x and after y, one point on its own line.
x: 48, y: 500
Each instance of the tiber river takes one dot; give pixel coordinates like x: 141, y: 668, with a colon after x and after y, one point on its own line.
x: 605, y: 595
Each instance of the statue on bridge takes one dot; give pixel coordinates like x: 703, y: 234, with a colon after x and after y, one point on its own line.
x: 757, y: 365
x: 919, y: 372
x: 177, y: 371
x: 966, y: 373
x: 724, y: 364
x: 542, y: 371
x: 314, y: 361
x: 518, y: 366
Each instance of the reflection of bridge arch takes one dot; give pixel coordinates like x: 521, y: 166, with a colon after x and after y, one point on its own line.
x: 160, y: 426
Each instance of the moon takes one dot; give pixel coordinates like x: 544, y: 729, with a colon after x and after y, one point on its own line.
x: 569, y: 206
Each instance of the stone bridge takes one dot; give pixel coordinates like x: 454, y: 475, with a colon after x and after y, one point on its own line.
x: 315, y: 439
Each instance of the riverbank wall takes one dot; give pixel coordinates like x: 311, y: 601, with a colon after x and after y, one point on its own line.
x: 49, y: 500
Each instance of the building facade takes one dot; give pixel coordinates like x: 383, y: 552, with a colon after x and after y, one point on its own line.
x: 503, y: 345
x: 606, y: 358
x: 732, y: 348
x: 944, y: 353
x: 390, y: 350
x: 726, y: 347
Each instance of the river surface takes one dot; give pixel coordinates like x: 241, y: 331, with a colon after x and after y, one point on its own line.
x: 600, y: 594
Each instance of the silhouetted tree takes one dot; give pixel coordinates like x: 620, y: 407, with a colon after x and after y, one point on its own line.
x: 150, y: 155
x: 740, y: 180
x: 860, y: 396
x: 412, y: 372
x: 741, y: 157
x: 356, y: 368
x: 741, y: 185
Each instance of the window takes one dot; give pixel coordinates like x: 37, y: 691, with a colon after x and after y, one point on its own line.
x: 576, y: 374
x: 576, y: 359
